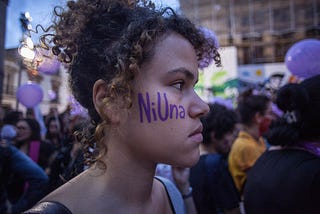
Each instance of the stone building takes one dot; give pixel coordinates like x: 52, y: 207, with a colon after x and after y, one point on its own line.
x: 261, y: 30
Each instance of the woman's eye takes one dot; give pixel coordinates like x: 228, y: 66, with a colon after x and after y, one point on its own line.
x: 178, y: 85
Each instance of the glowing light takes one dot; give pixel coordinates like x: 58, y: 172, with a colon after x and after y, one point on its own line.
x: 26, y: 52
x: 29, y: 43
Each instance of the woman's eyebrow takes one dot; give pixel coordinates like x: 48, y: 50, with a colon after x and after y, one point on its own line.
x: 184, y: 71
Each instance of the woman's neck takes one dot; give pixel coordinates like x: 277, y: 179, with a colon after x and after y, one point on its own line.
x: 252, y: 130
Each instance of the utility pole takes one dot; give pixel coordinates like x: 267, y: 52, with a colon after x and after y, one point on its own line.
x: 3, y: 16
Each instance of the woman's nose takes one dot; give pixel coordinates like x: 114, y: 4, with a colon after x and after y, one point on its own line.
x: 198, y: 107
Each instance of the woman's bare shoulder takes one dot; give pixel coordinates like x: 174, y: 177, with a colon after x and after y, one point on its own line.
x: 69, y: 193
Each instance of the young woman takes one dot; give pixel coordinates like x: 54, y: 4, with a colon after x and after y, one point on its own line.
x: 255, y: 115
x: 29, y: 141
x: 134, y: 68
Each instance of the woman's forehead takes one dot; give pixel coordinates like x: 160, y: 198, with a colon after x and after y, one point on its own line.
x: 22, y: 122
x: 174, y: 49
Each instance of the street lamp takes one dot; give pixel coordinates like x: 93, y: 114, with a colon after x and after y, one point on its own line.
x: 26, y: 47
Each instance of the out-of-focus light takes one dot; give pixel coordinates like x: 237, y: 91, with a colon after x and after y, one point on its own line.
x: 29, y: 43
x: 27, y: 53
x: 29, y: 27
x: 28, y: 16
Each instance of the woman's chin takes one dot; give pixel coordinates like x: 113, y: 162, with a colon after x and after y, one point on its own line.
x: 191, y: 160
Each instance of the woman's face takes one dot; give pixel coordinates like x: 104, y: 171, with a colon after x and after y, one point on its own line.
x: 53, y: 127
x: 23, y: 130
x: 163, y: 124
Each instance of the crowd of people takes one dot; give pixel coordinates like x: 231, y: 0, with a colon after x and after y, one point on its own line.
x: 32, y: 164
x: 262, y: 156
x: 149, y: 143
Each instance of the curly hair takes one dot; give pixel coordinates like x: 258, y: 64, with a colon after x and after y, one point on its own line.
x: 301, y: 101
x: 110, y: 40
x: 220, y: 120
x: 249, y: 104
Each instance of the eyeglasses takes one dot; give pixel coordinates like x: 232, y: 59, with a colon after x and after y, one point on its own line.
x: 22, y: 127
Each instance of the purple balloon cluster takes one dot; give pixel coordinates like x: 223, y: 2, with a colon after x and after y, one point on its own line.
x: 303, y: 58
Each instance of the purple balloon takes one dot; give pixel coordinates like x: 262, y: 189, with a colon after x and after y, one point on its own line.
x: 49, y: 65
x: 303, y: 58
x: 29, y: 95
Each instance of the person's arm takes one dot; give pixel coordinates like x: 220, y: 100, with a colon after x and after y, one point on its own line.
x: 31, y: 173
x: 181, y: 178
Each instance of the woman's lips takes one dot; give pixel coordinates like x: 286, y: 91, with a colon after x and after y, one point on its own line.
x: 196, y: 136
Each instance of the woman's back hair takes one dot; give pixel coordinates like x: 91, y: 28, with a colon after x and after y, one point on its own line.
x: 219, y: 120
x: 110, y: 40
x: 249, y: 104
x: 301, y: 119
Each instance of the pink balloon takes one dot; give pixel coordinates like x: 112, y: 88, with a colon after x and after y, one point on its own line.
x: 29, y: 95
x: 303, y: 58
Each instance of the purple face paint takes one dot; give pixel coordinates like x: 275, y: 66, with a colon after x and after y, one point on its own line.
x: 162, y: 109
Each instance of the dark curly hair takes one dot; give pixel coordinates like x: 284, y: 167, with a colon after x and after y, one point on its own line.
x: 221, y: 120
x: 249, y: 104
x: 110, y: 40
x: 301, y: 119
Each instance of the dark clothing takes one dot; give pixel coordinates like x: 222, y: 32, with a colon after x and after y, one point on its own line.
x: 18, y: 164
x: 283, y: 181
x: 49, y: 207
x: 45, y: 152
x: 58, y: 164
x: 16, y: 184
x: 213, y: 187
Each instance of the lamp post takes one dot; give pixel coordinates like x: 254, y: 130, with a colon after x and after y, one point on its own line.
x: 26, y: 47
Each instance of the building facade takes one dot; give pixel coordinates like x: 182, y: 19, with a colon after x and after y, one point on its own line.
x: 261, y: 30
x: 54, y: 86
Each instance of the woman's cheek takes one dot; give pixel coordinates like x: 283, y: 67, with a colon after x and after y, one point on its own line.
x: 156, y: 107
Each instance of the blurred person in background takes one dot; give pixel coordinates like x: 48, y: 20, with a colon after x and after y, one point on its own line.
x: 14, y: 163
x: 28, y: 140
x: 255, y: 115
x: 213, y: 188
x: 286, y: 179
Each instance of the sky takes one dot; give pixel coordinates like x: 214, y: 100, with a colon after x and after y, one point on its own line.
x: 41, y: 13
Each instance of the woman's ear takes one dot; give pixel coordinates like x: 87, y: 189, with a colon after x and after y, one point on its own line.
x: 100, y: 95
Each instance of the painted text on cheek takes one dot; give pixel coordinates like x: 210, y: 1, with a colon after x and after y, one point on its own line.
x: 160, y: 110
